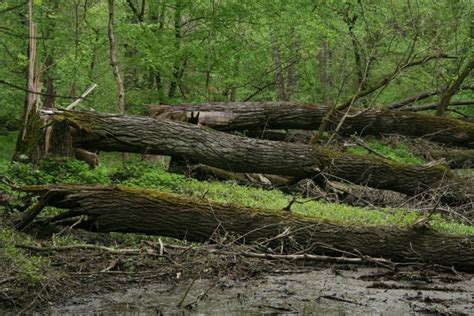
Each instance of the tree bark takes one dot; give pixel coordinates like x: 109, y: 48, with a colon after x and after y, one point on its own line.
x: 122, y: 209
x: 455, y: 158
x: 178, y: 67
x: 453, y: 88
x: 27, y: 138
x: 288, y: 115
x: 108, y: 132
x: 113, y: 58
x: 278, y: 71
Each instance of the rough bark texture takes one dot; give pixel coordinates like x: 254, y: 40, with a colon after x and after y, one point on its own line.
x: 110, y: 132
x: 28, y: 136
x: 122, y: 209
x: 287, y: 115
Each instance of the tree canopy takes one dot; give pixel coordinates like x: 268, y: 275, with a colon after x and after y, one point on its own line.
x: 175, y: 51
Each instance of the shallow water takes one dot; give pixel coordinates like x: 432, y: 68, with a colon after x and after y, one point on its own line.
x: 309, y: 293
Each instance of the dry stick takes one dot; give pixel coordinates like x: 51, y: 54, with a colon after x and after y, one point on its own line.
x: 360, y: 142
x: 85, y: 247
x: 34, y: 300
x: 201, y: 296
x: 187, y: 290
x: 34, y: 211
x: 309, y: 257
x: 82, y: 97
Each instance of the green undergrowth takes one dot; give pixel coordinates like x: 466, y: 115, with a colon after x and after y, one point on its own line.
x: 15, y: 262
x: 136, y: 173
x: 398, y: 153
x: 231, y: 192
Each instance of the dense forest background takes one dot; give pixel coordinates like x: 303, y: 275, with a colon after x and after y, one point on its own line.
x: 178, y: 51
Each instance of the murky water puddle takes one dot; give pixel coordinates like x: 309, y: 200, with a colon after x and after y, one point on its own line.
x: 309, y: 293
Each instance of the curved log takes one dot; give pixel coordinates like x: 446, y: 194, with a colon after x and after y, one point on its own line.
x: 123, y: 209
x: 287, y: 115
x: 109, y: 132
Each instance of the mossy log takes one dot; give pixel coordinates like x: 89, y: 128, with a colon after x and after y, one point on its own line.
x: 130, y: 210
x: 109, y: 132
x: 288, y: 115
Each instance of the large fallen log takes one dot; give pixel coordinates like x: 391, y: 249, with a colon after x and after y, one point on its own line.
x: 109, y: 132
x: 130, y: 210
x: 287, y: 115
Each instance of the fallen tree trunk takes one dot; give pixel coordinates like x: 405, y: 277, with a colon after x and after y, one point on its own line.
x: 456, y: 158
x: 122, y: 209
x: 108, y: 132
x: 287, y: 115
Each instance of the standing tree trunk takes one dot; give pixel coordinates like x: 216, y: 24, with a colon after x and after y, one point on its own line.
x: 292, y: 74
x: 29, y: 137
x: 323, y: 60
x: 451, y: 90
x: 179, y: 65
x: 278, y: 72
x: 113, y: 59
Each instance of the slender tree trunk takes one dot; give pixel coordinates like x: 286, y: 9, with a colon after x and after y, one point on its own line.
x: 28, y: 136
x: 130, y: 210
x: 323, y: 59
x: 113, y: 58
x: 278, y: 72
x: 451, y: 90
x: 178, y: 67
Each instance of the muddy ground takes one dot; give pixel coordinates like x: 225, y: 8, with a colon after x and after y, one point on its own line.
x: 171, y: 277
x: 308, y: 291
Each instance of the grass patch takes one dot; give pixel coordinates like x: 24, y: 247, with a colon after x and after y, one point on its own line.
x: 398, y: 153
x: 274, y: 199
x: 7, y: 147
x: 26, y: 269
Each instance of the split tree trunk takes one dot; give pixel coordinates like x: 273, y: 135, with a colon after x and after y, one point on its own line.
x: 287, y: 115
x: 108, y: 132
x: 122, y: 209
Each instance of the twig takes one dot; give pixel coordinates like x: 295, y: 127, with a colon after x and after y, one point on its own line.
x: 201, y: 296
x: 361, y: 143
x: 34, y: 300
x: 309, y: 257
x: 288, y: 207
x: 85, y: 247
x: 187, y: 290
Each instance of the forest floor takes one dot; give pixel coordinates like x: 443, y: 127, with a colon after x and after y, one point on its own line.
x: 188, y: 278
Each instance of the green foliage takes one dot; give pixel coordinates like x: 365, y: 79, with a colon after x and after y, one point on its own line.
x: 223, y: 46
x: 399, y: 152
x: 53, y: 170
x: 27, y: 269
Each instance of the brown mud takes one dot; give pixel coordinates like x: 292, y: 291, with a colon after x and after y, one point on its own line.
x: 308, y: 291
x: 171, y: 277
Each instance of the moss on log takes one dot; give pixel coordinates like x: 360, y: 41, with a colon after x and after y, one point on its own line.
x: 123, y: 209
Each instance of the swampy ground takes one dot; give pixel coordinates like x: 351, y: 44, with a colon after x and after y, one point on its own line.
x: 190, y: 278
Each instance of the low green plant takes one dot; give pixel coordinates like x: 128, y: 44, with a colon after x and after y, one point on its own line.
x: 16, y: 262
x: 398, y: 153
